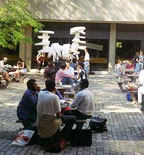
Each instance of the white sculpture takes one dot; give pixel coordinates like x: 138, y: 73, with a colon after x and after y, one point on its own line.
x: 77, y: 39
x: 65, y: 51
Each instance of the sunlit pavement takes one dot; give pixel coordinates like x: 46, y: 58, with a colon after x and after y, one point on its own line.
x: 125, y: 135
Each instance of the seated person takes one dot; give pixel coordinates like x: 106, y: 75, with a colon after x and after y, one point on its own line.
x: 69, y: 70
x: 81, y: 72
x: 26, y: 109
x: 62, y: 76
x: 22, y: 70
x: 130, y: 67
x: 49, y: 70
x: 83, y: 104
x: 3, y: 71
x: 141, y: 90
x: 119, y: 70
x: 49, y: 117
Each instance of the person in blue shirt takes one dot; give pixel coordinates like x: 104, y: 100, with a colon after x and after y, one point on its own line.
x: 26, y: 109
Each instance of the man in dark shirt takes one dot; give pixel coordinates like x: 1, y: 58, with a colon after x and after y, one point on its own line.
x: 26, y: 109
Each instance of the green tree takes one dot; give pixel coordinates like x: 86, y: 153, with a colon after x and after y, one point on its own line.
x: 14, y: 16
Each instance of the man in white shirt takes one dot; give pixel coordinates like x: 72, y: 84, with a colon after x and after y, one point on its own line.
x: 48, y: 113
x: 83, y: 104
x: 141, y: 89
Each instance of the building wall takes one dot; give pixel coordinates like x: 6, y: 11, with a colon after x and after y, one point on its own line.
x: 89, y: 10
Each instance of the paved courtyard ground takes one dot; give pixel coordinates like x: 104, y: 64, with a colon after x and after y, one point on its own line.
x: 125, y: 135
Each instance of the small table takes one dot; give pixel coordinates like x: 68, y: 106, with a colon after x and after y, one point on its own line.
x: 63, y: 88
x: 133, y: 77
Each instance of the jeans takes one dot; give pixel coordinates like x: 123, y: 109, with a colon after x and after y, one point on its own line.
x: 86, y: 67
x: 141, y: 66
x: 137, y: 68
x: 67, y: 80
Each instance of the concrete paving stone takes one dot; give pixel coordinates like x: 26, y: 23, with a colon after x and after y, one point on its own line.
x: 125, y: 133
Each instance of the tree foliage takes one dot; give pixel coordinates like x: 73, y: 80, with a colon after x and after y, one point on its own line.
x: 14, y: 16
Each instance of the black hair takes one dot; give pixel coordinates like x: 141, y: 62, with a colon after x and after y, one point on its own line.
x: 30, y: 84
x: 50, y: 64
x: 84, y: 83
x: 81, y: 64
x: 19, y: 59
x: 63, y: 65
x: 50, y: 85
x: 74, y: 60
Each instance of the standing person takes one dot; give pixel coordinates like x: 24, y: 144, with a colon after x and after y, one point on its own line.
x: 137, y: 64
x: 141, y: 60
x: 81, y: 71
x: 86, y: 62
x: 40, y: 60
x: 141, y: 90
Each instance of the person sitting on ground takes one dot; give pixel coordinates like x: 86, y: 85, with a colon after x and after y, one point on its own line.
x: 83, y: 104
x: 26, y: 109
x: 129, y: 67
x: 69, y: 70
x: 81, y: 72
x: 3, y: 71
x: 62, y: 76
x: 21, y: 69
x: 49, y: 118
x: 119, y: 70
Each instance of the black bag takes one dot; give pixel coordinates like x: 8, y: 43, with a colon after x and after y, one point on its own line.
x: 98, y: 124
x: 81, y: 137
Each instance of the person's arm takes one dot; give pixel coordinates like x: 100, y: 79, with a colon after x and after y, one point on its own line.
x: 76, y: 101
x: 64, y: 74
x: 57, y: 107
x: 58, y: 115
x: 31, y: 100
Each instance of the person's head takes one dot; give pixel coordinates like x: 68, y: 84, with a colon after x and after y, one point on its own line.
x: 81, y: 65
x: 5, y: 59
x: 32, y: 85
x: 50, y: 85
x: 51, y: 73
x: 20, y: 60
x: 74, y: 60
x: 84, y: 84
x: 67, y: 64
x: 50, y: 64
x: 63, y: 66
x: 130, y: 62
x: 119, y: 61
x: 136, y: 54
x: 141, y: 52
